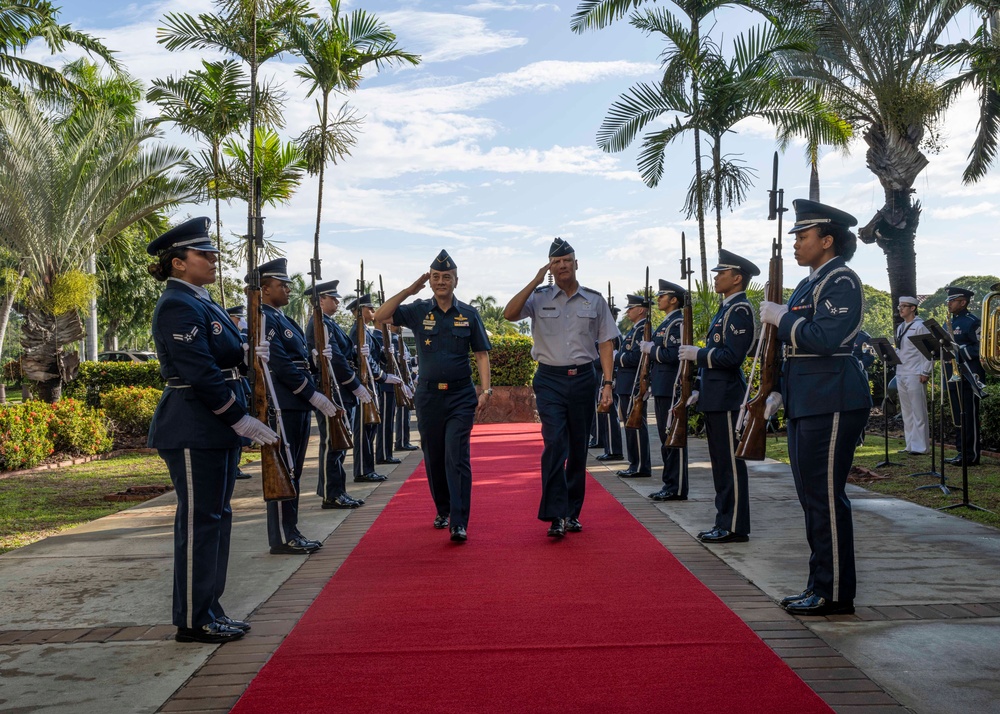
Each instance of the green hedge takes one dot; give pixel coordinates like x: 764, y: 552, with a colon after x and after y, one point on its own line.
x: 32, y: 431
x: 511, y: 364
x: 97, y: 377
x: 130, y: 409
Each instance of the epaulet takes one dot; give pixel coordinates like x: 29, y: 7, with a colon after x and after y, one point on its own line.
x: 542, y: 288
x: 591, y: 290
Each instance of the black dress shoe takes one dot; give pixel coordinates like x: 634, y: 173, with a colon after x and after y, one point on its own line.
x: 795, y: 598
x: 573, y: 525
x: 390, y: 460
x: 293, y: 547
x: 960, y: 462
x: 308, y: 542
x: 458, y: 534
x: 817, y: 606
x: 557, y: 529
x: 341, y: 501
x: 665, y: 495
x: 441, y: 522
x: 610, y: 457
x: 213, y: 633
x: 720, y: 535
x: 593, y: 445
x: 370, y: 478
x: 235, y: 624
x: 405, y: 447
x: 241, y: 474
x: 629, y: 473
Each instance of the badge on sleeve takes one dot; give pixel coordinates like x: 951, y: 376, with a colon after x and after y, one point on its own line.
x: 216, y: 328
x: 187, y: 336
x: 717, y: 337
x: 288, y: 333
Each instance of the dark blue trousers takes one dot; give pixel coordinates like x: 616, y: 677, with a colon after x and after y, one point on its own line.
x: 967, y: 439
x: 566, y: 407
x: 283, y: 516
x: 821, y: 450
x: 609, y: 429
x: 732, y: 488
x: 364, y: 444
x: 332, y: 481
x: 675, y: 461
x: 402, y: 427
x: 203, y: 481
x: 445, y: 427
x: 636, y: 440
x: 383, y: 436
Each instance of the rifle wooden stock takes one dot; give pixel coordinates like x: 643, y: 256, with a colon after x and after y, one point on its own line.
x: 393, y: 366
x: 275, y: 477
x: 677, y: 434
x: 341, y: 438
x: 637, y: 407
x: 404, y: 373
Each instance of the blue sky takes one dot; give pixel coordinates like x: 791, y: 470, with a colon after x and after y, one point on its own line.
x: 487, y: 149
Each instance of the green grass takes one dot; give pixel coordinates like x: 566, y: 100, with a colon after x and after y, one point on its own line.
x: 984, y: 480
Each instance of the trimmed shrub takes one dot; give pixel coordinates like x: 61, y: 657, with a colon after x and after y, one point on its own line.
x: 24, y: 435
x: 511, y: 364
x: 95, y: 378
x: 130, y: 409
x: 76, y: 428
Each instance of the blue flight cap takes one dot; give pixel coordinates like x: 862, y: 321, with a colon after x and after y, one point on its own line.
x: 443, y: 261
x: 956, y: 292
x: 328, y: 288
x: 669, y: 288
x: 812, y: 213
x: 237, y: 310
x: 559, y: 248
x: 730, y: 261
x: 192, y: 233
x: 366, y: 301
x: 636, y: 301
x: 277, y: 268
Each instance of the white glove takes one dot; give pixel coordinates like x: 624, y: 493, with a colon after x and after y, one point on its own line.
x: 328, y: 352
x: 646, y: 347
x: 688, y: 353
x: 772, y: 312
x: 408, y: 392
x: 363, y: 395
x: 323, y: 404
x: 693, y: 399
x: 255, y: 430
x: 772, y: 404
x: 242, y: 324
x: 392, y: 379
x: 366, y: 349
x: 264, y: 351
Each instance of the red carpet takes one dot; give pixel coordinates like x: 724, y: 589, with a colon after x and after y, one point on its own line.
x: 513, y: 621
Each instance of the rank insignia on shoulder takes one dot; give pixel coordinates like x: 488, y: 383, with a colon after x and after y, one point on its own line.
x: 187, y: 336
x: 833, y: 309
x: 270, y: 334
x: 736, y: 330
x: 216, y: 328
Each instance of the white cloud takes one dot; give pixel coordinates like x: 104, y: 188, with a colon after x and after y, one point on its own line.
x: 445, y: 37
x: 954, y: 212
x: 492, y: 5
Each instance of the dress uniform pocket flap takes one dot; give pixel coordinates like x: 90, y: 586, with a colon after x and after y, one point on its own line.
x: 549, y: 311
x: 462, y: 332
x: 586, y: 312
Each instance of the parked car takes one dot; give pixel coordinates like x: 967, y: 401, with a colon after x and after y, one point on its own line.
x: 125, y: 356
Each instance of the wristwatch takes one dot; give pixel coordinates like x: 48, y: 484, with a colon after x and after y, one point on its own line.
x: 489, y: 391
x: 607, y: 383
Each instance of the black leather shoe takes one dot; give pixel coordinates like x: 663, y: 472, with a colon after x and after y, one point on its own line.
x: 593, y: 445
x: 458, y: 534
x: 558, y: 528
x: 665, y: 495
x: 795, y: 598
x: 309, y: 542
x: 441, y: 522
x: 390, y: 460
x: 213, y: 633
x: 573, y: 525
x: 610, y: 457
x: 235, y: 624
x: 293, y: 547
x: 815, y: 605
x: 341, y: 501
x: 241, y: 474
x: 371, y: 478
x: 628, y: 473
x: 720, y: 535
x: 407, y: 447
x: 955, y: 460
x: 959, y: 462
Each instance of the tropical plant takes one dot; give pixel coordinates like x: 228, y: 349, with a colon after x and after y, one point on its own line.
x: 297, y: 308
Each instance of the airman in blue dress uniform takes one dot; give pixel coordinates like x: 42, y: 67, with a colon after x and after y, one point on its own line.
x: 567, y: 319
x: 385, y: 433
x: 238, y: 315
x: 446, y: 331
x: 826, y: 397
x: 607, y: 429
x: 402, y: 412
x: 290, y: 367
x: 721, y: 390
x: 198, y: 426
x: 331, y: 485
x: 965, y: 328
x: 662, y: 350
x: 626, y: 369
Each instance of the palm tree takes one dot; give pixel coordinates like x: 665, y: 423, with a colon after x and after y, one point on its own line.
x: 297, y: 308
x: 280, y: 167
x: 67, y: 188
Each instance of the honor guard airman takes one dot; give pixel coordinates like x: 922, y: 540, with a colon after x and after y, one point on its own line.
x: 626, y: 370
x: 198, y: 426
x: 402, y: 412
x: 567, y: 320
x: 662, y: 350
x: 238, y: 315
x: 446, y: 332
x: 720, y: 391
x: 965, y: 328
x: 609, y: 429
x: 826, y: 397
x: 384, y: 434
x: 290, y: 366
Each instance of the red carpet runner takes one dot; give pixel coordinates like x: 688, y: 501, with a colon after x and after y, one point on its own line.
x: 603, y: 621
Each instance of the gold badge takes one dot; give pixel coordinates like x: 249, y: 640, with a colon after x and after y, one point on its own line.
x: 717, y: 337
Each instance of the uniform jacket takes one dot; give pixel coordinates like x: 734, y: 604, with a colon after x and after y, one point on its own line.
x: 666, y: 340
x: 343, y: 372
x: 823, y: 318
x: 721, y: 384
x: 965, y: 328
x: 627, y: 360
x: 373, y: 339
x: 290, y: 361
x: 195, y: 341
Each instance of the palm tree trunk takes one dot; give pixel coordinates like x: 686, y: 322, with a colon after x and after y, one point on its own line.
x: 717, y: 186
x: 218, y: 225
x: 321, y: 174
x: 6, y: 306
x: 814, y: 172
x: 699, y: 187
x: 44, y: 361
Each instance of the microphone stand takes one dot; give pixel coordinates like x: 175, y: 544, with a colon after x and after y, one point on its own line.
x: 888, y: 355
x: 930, y: 348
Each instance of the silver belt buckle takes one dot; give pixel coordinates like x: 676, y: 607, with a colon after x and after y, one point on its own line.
x: 571, y: 372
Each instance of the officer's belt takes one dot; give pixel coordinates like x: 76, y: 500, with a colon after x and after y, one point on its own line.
x: 567, y: 370
x: 230, y: 375
x: 443, y: 386
x: 788, y: 351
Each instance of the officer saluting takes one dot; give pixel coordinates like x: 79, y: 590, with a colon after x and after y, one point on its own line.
x: 296, y: 393
x: 198, y: 425
x: 567, y: 320
x: 445, y: 330
x: 965, y: 328
x: 626, y: 366
x: 826, y: 397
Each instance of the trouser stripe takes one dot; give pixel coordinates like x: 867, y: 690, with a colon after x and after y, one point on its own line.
x: 732, y: 469
x: 189, y: 578
x: 831, y: 495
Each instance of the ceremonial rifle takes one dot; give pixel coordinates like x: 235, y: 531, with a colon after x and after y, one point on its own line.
x: 601, y: 409
x: 369, y: 410
x: 677, y: 427
x: 390, y: 356
x: 640, y: 387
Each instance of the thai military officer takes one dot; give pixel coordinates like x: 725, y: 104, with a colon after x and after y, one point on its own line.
x: 662, y: 350
x: 402, y: 411
x: 826, y: 398
x: 965, y: 328
x: 721, y: 390
x: 609, y: 429
x: 237, y: 314
x: 331, y: 485
x: 198, y: 426
x: 366, y: 434
x: 626, y: 368
x: 446, y: 331
x: 296, y: 394
x: 567, y: 319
